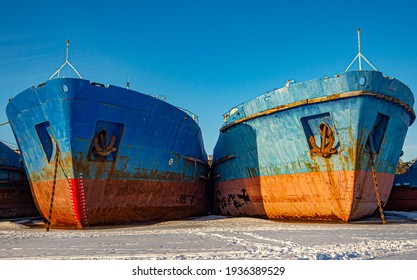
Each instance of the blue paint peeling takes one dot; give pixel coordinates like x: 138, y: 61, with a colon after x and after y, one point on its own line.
x: 149, y: 133
x: 278, y: 143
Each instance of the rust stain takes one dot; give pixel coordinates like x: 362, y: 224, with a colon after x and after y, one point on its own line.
x: 123, y: 202
x: 301, y: 196
x: 185, y: 199
x: 62, y: 214
x: 17, y: 202
x: 365, y: 189
x: 325, y: 99
x: 402, y: 198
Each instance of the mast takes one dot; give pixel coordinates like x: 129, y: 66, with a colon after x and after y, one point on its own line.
x: 359, y: 49
x: 57, y: 72
x: 128, y: 83
x: 359, y: 56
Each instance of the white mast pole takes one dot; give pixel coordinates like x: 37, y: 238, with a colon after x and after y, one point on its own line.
x: 57, y: 72
x: 359, y: 49
x: 66, y: 57
x: 359, y: 56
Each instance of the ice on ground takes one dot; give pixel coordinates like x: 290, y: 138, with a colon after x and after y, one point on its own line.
x: 217, y: 237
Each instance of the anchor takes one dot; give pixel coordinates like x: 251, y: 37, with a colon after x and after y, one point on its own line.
x: 100, y: 147
x: 327, y: 141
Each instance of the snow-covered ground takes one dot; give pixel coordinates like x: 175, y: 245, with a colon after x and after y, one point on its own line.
x: 217, y: 237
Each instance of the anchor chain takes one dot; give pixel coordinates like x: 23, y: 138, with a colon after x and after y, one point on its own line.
x: 53, y: 191
x: 377, y: 190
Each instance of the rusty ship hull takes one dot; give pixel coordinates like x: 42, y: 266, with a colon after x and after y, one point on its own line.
x: 306, y: 151
x: 403, y: 196
x: 16, y: 199
x: 105, y: 155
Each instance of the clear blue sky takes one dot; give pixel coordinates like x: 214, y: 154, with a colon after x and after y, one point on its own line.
x: 205, y: 56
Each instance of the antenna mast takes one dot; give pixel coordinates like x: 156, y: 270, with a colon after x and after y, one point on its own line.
x: 128, y: 83
x: 57, y: 72
x: 359, y: 56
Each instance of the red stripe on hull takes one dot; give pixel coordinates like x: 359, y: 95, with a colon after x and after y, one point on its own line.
x: 74, y: 193
x: 334, y: 196
x: 101, y: 202
x: 78, y: 200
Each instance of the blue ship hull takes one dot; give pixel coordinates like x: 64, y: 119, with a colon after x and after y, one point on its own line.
x: 306, y: 151
x: 108, y: 155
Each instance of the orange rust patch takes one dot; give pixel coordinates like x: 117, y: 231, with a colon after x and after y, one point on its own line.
x: 122, y: 201
x: 335, y: 196
x: 62, y: 210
